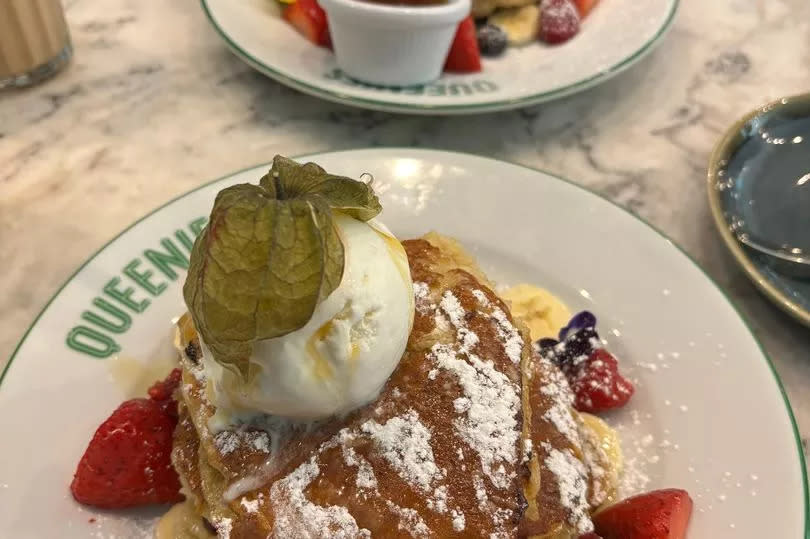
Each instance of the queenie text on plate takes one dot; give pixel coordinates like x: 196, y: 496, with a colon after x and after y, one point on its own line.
x: 129, y: 292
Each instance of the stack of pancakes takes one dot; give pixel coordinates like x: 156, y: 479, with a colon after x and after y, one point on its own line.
x: 472, y: 436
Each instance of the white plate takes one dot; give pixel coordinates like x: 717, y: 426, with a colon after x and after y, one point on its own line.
x: 709, y: 414
x: 614, y: 36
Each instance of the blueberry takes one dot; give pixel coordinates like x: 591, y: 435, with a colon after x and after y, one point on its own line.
x: 491, y: 40
x: 584, y: 319
x: 569, y: 353
x: 545, y: 343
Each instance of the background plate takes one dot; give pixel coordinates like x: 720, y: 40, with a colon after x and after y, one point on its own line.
x: 709, y: 414
x: 614, y: 36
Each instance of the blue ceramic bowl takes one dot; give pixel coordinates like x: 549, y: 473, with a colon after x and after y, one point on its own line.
x: 759, y: 194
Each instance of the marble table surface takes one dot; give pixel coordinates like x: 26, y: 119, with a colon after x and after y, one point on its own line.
x: 154, y: 104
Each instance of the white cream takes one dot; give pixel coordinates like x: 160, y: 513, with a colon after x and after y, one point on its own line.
x: 343, y: 356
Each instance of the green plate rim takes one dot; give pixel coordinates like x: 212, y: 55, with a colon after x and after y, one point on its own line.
x: 387, y: 106
x: 785, y: 400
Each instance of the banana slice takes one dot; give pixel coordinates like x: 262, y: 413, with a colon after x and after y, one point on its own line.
x: 538, y: 308
x: 182, y: 522
x: 483, y: 8
x: 520, y: 24
x: 603, y: 457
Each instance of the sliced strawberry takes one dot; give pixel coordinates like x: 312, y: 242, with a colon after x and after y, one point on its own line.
x: 661, y: 514
x: 127, y: 463
x: 585, y: 6
x: 325, y: 38
x: 559, y: 21
x: 464, y: 55
x: 162, y: 390
x: 310, y: 20
x: 597, y: 384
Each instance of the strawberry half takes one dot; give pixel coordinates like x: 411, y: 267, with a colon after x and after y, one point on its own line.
x: 597, y: 384
x: 310, y: 20
x: 585, y: 6
x: 464, y: 55
x: 661, y: 514
x: 559, y: 21
x: 127, y: 463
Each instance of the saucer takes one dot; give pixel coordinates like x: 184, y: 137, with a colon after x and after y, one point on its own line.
x: 747, y: 208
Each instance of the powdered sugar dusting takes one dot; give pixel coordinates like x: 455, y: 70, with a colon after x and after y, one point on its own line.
x: 405, y: 443
x: 559, y: 414
x: 439, y: 501
x: 251, y: 506
x: 527, y: 450
x: 365, y: 473
x: 421, y: 295
x: 228, y: 441
x: 512, y: 341
x: 633, y: 479
x: 267, y: 433
x: 198, y: 372
x: 480, y: 492
x: 223, y: 527
x: 490, y: 425
x: 562, y: 419
x: 299, y: 517
x: 557, y: 386
x: 260, y: 442
x: 481, y: 297
x: 461, y: 405
x: 573, y: 485
x: 365, y: 477
x: 459, y: 521
x: 453, y: 309
x: 409, y: 520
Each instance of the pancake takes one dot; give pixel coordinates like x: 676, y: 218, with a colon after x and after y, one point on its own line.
x: 472, y: 436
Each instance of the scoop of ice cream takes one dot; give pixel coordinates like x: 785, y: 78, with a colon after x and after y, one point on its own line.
x: 343, y: 356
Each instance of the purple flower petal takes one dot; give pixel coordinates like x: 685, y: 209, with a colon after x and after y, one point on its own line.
x: 581, y: 320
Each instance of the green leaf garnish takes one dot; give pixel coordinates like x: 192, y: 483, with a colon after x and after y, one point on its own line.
x: 269, y: 254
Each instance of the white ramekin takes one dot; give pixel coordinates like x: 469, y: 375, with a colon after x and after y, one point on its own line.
x: 392, y: 45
